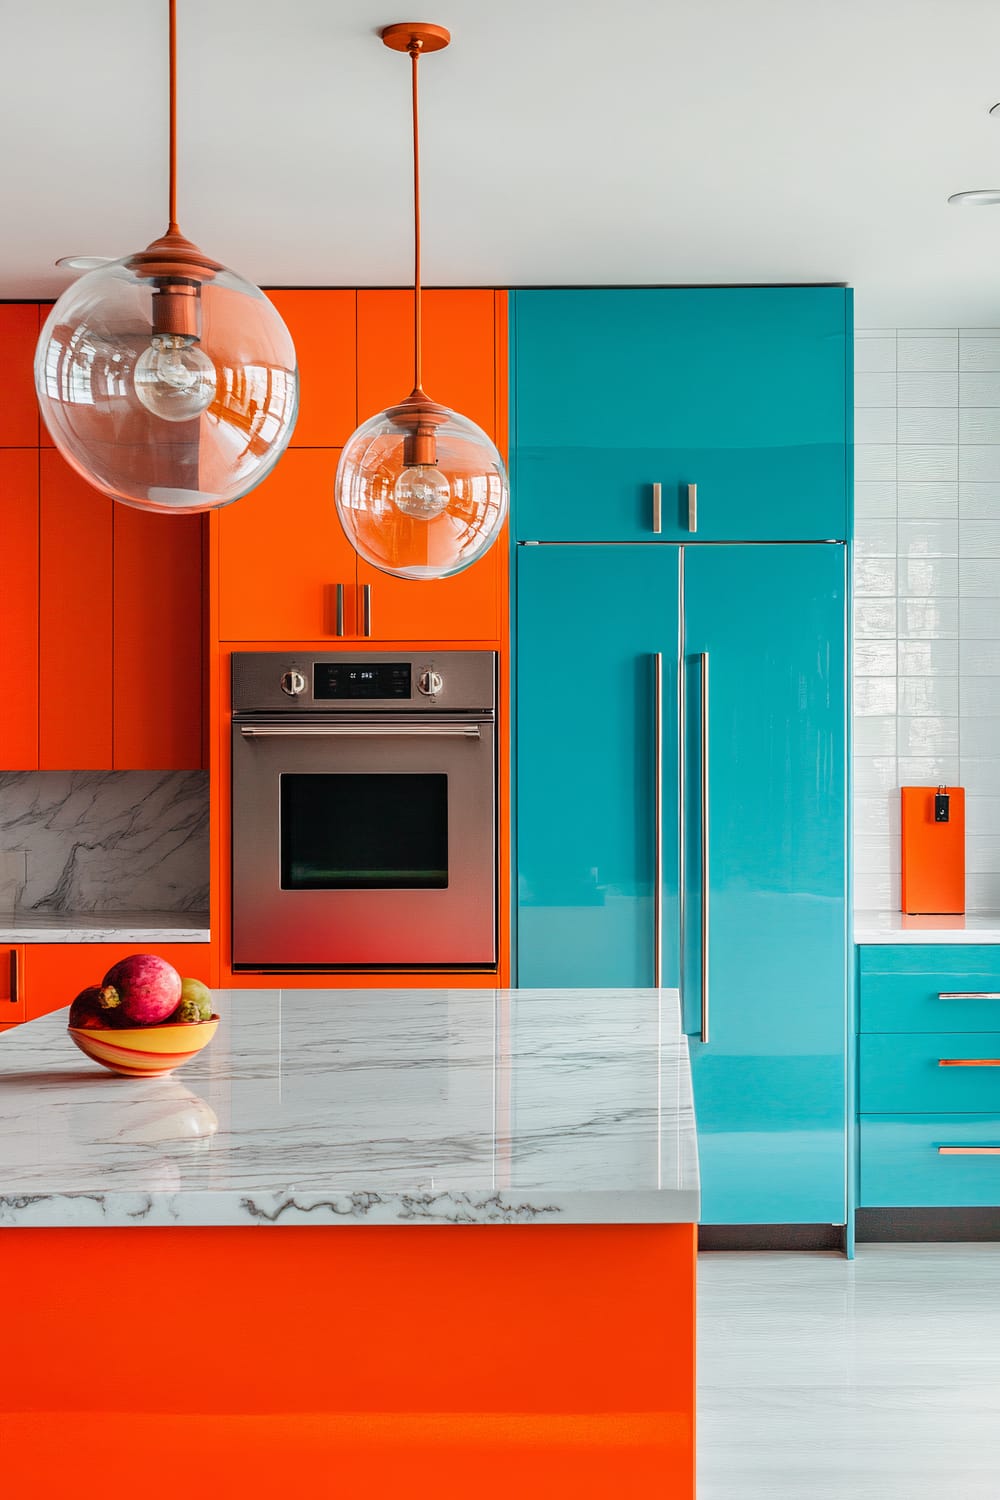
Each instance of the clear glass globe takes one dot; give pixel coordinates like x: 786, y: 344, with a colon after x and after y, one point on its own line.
x: 421, y: 521
x: 163, y: 427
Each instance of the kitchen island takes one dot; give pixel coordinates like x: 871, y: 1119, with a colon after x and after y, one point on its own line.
x: 476, y: 1275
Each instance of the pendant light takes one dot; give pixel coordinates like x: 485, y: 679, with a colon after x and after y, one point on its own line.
x: 167, y: 381
x: 421, y: 492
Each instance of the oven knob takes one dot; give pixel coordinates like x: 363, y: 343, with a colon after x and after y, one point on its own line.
x: 430, y: 682
x: 293, y: 683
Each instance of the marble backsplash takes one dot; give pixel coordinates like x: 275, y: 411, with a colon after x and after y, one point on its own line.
x: 103, y: 841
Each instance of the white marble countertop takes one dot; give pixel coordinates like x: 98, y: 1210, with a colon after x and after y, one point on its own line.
x: 105, y: 927
x: 365, y: 1107
x: 894, y: 927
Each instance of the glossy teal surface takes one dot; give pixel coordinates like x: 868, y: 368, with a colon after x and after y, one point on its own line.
x: 770, y: 1084
x: 901, y: 1073
x: 901, y: 986
x: 742, y: 391
x: 589, y: 620
x: 901, y: 1167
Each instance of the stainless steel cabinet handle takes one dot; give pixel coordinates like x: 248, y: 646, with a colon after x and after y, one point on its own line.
x: 969, y: 995
x: 705, y: 881
x: 692, y: 507
x: 366, y: 595
x: 657, y: 508
x: 968, y: 1151
x: 391, y: 731
x: 969, y: 1062
x: 15, y: 978
x: 658, y: 818
x: 340, y: 609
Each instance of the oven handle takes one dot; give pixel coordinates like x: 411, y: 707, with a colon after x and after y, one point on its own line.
x: 464, y: 731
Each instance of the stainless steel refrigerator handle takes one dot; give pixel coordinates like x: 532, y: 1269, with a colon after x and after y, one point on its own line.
x: 657, y: 508
x: 705, y: 883
x: 391, y: 731
x: 366, y: 595
x: 692, y: 507
x: 658, y: 818
x: 340, y: 609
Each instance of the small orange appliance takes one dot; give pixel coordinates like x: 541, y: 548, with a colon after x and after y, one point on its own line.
x: 933, y: 827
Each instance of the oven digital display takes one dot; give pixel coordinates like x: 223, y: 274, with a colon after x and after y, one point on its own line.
x: 379, y: 679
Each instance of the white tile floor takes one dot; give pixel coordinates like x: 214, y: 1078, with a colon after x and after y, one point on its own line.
x: 826, y: 1379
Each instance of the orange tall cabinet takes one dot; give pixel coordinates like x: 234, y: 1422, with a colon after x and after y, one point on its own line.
x: 282, y: 572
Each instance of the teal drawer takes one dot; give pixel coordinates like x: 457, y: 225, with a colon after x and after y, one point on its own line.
x: 901, y: 987
x: 903, y: 1166
x: 903, y: 1074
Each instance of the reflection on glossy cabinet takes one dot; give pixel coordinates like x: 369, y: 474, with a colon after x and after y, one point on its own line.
x: 19, y: 410
x: 12, y: 1007
x: 75, y: 628
x: 19, y: 609
x: 463, y: 608
x: 55, y: 973
x: 284, y: 561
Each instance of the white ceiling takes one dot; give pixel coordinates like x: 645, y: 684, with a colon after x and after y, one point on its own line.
x: 564, y: 141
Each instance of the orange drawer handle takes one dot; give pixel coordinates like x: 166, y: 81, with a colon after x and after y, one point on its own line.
x: 969, y: 1062
x: 969, y: 1151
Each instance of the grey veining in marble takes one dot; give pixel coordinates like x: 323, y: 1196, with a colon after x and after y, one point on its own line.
x: 100, y: 927
x: 365, y: 1107
x: 107, y: 841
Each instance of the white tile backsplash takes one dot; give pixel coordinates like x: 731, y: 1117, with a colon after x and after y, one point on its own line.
x: 927, y: 594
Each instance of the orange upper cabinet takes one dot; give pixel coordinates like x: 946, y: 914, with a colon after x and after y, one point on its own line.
x: 460, y: 371
x: 285, y: 563
x: 323, y: 328
x: 19, y: 609
x: 19, y: 421
x: 74, y: 639
x: 158, y: 629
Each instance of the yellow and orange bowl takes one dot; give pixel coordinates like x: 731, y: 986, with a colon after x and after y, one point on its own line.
x: 144, y: 1051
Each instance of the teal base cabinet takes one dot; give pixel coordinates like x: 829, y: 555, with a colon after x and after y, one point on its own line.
x: 680, y: 772
x: 929, y: 1076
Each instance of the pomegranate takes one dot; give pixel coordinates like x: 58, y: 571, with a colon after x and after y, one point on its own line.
x: 141, y: 990
x: 196, y: 1003
x: 88, y: 1010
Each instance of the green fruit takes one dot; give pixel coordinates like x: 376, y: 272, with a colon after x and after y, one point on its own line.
x: 196, y: 1002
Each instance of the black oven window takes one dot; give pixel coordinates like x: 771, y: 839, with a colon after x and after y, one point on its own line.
x: 351, y: 833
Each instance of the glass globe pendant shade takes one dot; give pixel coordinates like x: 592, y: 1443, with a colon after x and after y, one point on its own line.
x: 424, y: 504
x: 169, y: 384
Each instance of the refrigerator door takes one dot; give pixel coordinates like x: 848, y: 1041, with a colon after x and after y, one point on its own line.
x: 597, y: 632
x: 765, y: 634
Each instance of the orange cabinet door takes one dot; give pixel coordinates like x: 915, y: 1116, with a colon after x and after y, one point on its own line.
x: 460, y: 372
x: 463, y: 608
x: 76, y: 606
x: 57, y: 972
x: 12, y: 1008
x: 323, y: 330
x: 19, y: 410
x: 284, y: 560
x: 158, y: 634
x: 19, y: 609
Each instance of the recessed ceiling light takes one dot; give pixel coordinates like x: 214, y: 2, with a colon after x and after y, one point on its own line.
x: 83, y: 262
x: 977, y: 197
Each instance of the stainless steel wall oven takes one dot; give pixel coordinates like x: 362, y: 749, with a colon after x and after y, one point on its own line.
x: 364, y: 810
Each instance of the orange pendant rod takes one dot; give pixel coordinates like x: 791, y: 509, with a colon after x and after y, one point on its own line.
x: 172, y: 202
x: 415, y: 48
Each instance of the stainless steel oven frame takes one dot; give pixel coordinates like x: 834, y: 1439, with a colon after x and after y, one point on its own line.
x: 444, y: 725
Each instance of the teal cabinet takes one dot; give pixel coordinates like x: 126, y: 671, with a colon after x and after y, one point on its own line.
x: 767, y: 806
x: 742, y: 392
x: 930, y: 1161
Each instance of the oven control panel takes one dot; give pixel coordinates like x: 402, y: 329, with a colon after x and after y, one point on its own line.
x: 379, y: 679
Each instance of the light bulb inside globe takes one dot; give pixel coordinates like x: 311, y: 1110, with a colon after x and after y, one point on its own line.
x: 422, y: 492
x: 174, y: 378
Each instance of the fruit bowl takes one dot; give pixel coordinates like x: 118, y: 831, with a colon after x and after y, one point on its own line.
x: 144, y: 1051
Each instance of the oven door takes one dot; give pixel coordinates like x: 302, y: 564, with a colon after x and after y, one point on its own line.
x: 364, y: 843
